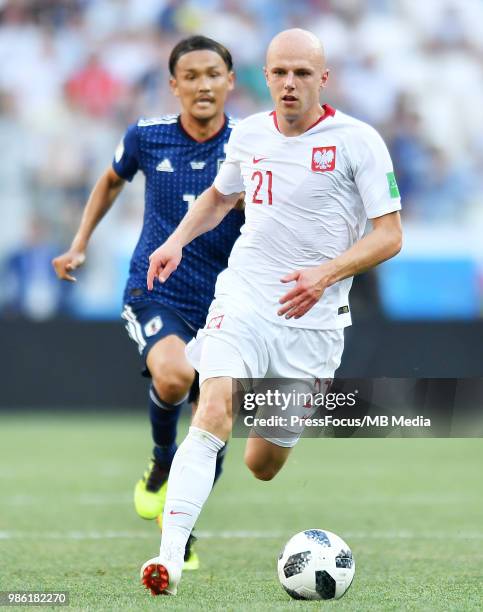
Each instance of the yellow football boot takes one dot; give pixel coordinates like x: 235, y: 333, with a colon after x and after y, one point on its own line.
x: 150, y: 492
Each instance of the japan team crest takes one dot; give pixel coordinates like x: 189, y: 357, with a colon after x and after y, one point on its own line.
x: 153, y: 326
x: 323, y: 159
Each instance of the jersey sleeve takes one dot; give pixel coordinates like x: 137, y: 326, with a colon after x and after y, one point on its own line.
x: 126, y: 158
x: 374, y: 175
x: 229, y: 178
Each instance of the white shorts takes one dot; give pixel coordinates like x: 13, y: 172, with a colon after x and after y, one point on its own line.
x: 238, y: 343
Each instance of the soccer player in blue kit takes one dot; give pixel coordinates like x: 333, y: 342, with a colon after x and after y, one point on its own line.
x: 179, y: 156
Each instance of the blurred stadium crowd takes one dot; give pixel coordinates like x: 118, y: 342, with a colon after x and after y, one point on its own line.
x: 75, y: 73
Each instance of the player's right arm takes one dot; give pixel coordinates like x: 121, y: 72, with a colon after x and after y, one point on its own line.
x: 207, y: 212
x: 100, y: 201
x: 125, y: 164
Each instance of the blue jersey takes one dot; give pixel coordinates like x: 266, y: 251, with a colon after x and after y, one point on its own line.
x: 177, y: 169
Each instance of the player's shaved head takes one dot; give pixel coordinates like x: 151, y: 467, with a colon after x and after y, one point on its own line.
x: 296, y: 43
x: 295, y: 73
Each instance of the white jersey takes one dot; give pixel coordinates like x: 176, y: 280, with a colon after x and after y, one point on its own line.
x: 308, y: 198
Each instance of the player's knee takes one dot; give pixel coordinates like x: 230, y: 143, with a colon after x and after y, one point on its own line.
x: 263, y: 473
x: 214, y: 415
x: 172, y: 385
x: 259, y: 468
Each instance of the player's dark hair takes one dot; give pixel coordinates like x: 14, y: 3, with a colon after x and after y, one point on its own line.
x: 199, y: 43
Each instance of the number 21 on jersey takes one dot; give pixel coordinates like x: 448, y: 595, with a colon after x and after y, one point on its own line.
x: 263, y: 186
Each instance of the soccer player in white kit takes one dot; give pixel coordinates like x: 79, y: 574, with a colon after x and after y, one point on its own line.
x: 312, y: 176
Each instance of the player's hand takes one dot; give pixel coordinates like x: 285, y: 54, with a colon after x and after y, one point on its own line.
x: 67, y: 262
x: 309, y: 288
x: 163, y: 262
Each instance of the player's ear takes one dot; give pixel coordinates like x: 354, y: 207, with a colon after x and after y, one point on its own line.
x: 231, y: 80
x: 173, y: 83
x: 265, y: 72
x: 324, y: 79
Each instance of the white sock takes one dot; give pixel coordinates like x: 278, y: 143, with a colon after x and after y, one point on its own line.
x: 190, y: 482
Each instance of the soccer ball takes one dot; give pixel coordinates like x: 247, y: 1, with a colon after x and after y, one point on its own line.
x: 316, y: 564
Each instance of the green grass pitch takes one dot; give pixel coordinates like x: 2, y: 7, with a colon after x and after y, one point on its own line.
x: 411, y: 509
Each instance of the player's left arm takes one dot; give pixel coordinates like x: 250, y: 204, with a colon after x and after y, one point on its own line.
x: 380, y: 244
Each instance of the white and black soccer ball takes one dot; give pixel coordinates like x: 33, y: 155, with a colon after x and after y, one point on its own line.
x: 316, y: 564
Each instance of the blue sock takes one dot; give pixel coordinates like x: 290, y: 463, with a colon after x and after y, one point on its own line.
x: 219, y: 462
x: 164, y: 421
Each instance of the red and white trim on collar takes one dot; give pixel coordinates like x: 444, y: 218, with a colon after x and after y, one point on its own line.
x: 328, y: 112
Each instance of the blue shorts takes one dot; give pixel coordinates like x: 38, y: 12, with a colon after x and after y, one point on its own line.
x: 148, y: 322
